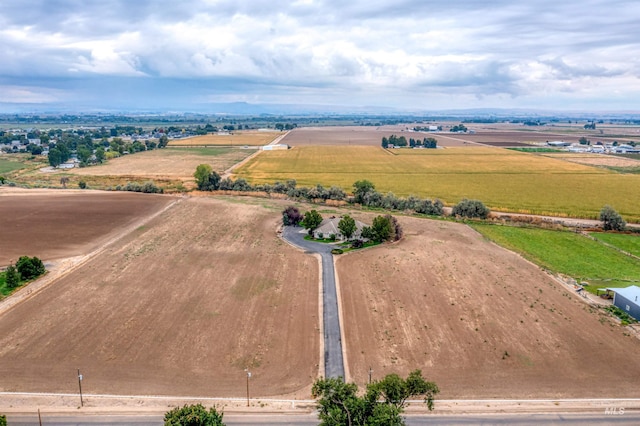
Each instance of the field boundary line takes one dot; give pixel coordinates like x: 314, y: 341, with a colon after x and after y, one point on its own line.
x: 75, y: 262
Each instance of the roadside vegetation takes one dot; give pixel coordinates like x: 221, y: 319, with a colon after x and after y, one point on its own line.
x: 194, y: 415
x: 567, y: 253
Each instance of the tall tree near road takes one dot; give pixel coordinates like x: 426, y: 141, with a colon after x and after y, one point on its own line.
x: 312, y: 219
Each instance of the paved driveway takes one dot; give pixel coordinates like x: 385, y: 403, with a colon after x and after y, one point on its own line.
x: 333, y: 362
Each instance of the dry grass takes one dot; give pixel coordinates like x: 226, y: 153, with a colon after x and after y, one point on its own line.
x: 251, y: 138
x: 504, y: 180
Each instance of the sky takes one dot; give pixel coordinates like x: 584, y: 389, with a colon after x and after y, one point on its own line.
x: 410, y: 55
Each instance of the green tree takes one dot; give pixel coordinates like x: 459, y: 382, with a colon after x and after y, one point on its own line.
x: 100, y: 154
x: 54, y: 157
x: 611, y: 219
x: 385, y: 142
x: 360, y: 189
x: 12, y: 277
x: 193, y: 415
x: 3, y: 420
x: 382, y: 229
x: 206, y: 178
x: 471, y: 209
x: 382, y: 403
x: 312, y: 219
x: 163, y: 141
x: 2, y: 180
x: 347, y: 226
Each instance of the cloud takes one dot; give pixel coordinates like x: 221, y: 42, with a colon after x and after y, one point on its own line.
x: 328, y: 49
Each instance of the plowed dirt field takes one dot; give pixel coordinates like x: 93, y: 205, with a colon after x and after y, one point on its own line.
x: 180, y: 306
x: 478, y: 320
x: 54, y: 224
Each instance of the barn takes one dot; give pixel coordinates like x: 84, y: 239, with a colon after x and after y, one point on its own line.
x: 628, y: 299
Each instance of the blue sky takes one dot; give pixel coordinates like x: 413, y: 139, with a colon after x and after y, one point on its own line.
x: 413, y: 55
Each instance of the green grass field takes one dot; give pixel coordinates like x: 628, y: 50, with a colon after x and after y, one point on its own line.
x: 568, y: 253
x: 504, y: 180
x: 627, y: 242
x: 7, y: 166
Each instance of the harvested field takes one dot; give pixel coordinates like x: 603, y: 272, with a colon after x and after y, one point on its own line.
x: 356, y: 136
x: 504, y: 180
x: 176, y: 163
x: 247, y: 137
x: 180, y: 306
x: 478, y: 320
x: 55, y: 224
x: 598, y: 160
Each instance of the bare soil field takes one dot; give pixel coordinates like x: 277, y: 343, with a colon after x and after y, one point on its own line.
x: 597, y: 160
x: 478, y: 320
x: 176, y: 163
x: 180, y: 306
x: 246, y: 137
x: 55, y: 224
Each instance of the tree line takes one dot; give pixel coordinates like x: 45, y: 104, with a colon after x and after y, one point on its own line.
x: 364, y: 193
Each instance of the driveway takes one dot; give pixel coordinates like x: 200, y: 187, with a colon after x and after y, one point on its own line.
x: 333, y: 362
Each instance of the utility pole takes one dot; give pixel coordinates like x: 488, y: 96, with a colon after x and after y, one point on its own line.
x: 248, y: 377
x: 80, y: 387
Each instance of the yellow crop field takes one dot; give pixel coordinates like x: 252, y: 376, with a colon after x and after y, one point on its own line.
x: 249, y: 137
x: 504, y: 180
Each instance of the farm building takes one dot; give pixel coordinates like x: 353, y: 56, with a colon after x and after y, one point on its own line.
x: 628, y: 299
x: 329, y: 227
x: 275, y: 147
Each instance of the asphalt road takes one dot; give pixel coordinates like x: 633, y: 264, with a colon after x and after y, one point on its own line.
x: 628, y: 418
x: 333, y: 362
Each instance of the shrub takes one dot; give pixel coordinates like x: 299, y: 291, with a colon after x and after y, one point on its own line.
x: 337, y: 251
x: 291, y: 216
x: 611, y: 219
x: 356, y: 244
x: 82, y: 184
x: 3, y: 420
x: 470, y: 209
x: 332, y: 237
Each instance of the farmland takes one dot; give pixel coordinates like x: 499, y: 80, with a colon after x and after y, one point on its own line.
x: 54, y: 225
x: 7, y: 166
x: 175, y: 163
x: 569, y: 253
x: 626, y: 242
x: 478, y: 320
x: 239, y: 138
x: 178, y: 306
x: 503, y: 179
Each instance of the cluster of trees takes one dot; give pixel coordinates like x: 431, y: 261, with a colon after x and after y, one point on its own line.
x: 425, y: 128
x: 393, y: 140
x: 590, y: 126
x: 193, y: 415
x: 26, y: 268
x: 383, y: 401
x: 584, y: 141
x: 460, y: 128
x: 384, y: 228
x: 287, y: 126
